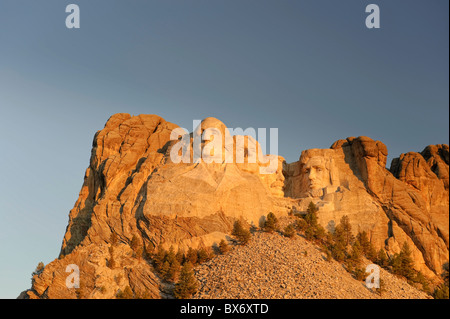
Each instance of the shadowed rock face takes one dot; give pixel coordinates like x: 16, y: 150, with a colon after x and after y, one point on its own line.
x: 133, y: 188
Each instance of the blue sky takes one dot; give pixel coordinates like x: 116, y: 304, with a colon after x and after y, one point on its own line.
x: 309, y: 68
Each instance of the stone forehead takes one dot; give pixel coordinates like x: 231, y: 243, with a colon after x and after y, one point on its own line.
x: 316, y: 161
x: 317, y: 155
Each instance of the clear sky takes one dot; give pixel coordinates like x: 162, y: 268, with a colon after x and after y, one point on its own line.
x: 309, y: 68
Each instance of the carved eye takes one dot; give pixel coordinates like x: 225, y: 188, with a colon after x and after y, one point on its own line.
x: 307, y: 170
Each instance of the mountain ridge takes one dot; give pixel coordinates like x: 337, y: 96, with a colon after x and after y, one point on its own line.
x: 132, y: 188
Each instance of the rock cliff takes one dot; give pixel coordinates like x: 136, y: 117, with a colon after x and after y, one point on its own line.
x: 135, y: 188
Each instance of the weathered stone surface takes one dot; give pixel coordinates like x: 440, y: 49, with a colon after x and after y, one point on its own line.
x: 134, y: 188
x: 418, y: 215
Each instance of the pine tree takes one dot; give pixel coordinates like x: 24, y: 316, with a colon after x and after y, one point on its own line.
x: 367, y: 247
x: 407, y: 262
x: 289, y: 231
x: 442, y: 291
x: 444, y: 274
x: 328, y: 255
x: 356, y: 254
x: 180, y: 256
x: 160, y: 257
x: 173, y: 271
x: 363, y: 239
x: 127, y: 293
x: 192, y: 256
x: 301, y: 224
x: 381, y: 288
x: 346, y: 229
x: 164, y: 271
x: 187, y: 284
x: 339, y: 246
x: 171, y: 256
x: 382, y: 259
x: 223, y: 247
x: 242, y: 235
x: 311, y: 214
x: 149, y: 250
x: 203, y: 254
x: 372, y: 253
x: 319, y: 233
x: 402, y: 263
x: 271, y: 223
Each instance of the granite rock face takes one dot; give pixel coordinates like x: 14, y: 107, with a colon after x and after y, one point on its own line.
x: 140, y: 183
x: 408, y: 203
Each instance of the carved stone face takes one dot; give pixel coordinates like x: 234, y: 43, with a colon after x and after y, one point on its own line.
x: 316, y: 174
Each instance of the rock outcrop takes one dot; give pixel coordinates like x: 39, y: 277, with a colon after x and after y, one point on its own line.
x: 141, y: 184
x: 407, y: 204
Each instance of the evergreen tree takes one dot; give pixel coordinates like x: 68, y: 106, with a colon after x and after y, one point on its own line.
x: 160, y: 257
x: 187, y: 284
x: 441, y: 292
x: 149, y: 250
x: 171, y: 256
x: 402, y: 263
x: 423, y: 282
x: 339, y: 246
x: 180, y: 256
x: 271, y: 223
x: 345, y: 229
x: 192, y: 256
x: 381, y: 288
x: 328, y: 255
x: 164, y: 271
x: 320, y: 233
x: 382, y: 259
x: 203, y: 254
x: 242, y: 235
x: 301, y: 224
x: 366, y: 246
x: 363, y: 239
x: 356, y: 254
x: 127, y: 293
x: 173, y: 271
x: 289, y: 231
x: 359, y: 273
x: 372, y: 253
x: 444, y: 274
x: 223, y: 247
x: 311, y: 214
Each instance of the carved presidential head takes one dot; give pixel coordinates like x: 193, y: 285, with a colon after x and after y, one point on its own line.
x: 317, y: 171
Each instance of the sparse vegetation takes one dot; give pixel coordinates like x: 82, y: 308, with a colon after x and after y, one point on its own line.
x: 442, y: 291
x: 127, y: 293
x: 223, y: 247
x: 187, y: 284
x: 242, y: 235
x: 39, y: 268
x: 402, y: 263
x: 271, y: 223
x: 289, y: 231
